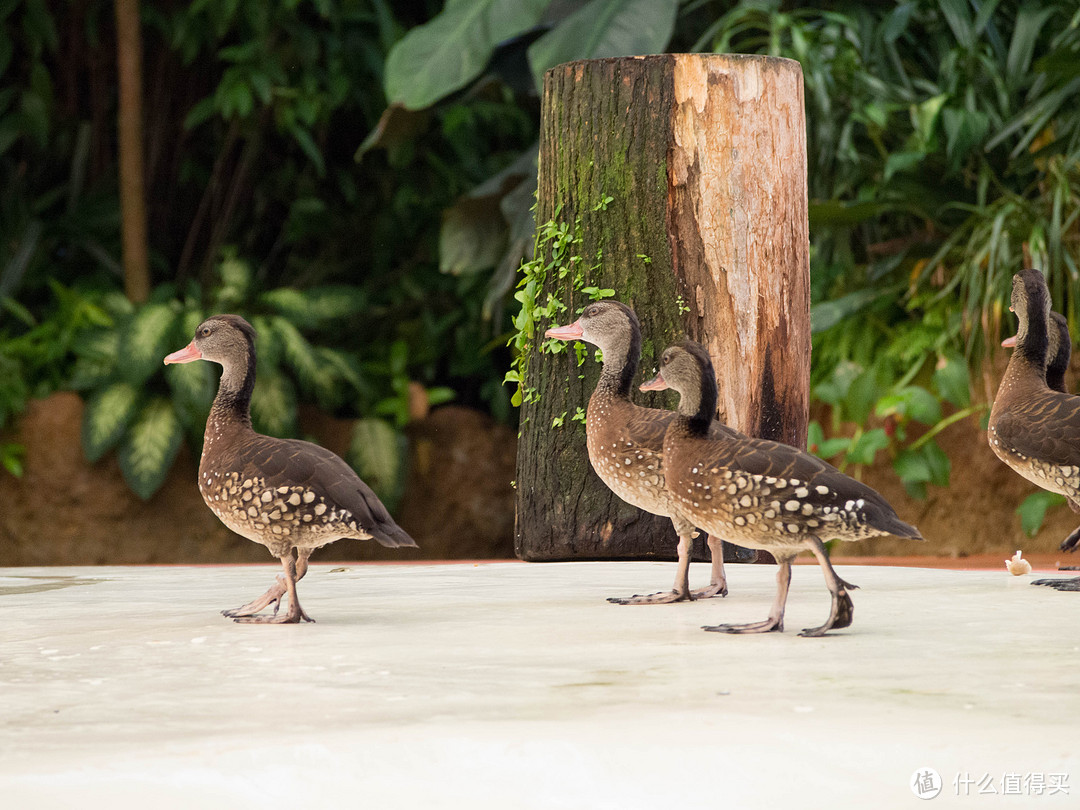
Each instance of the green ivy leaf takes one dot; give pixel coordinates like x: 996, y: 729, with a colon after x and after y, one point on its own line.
x: 150, y: 447
x: 107, y: 415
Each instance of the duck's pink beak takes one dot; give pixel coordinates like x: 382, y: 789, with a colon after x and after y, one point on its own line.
x: 1009, y: 342
x: 185, y: 355
x: 655, y: 384
x: 570, y: 332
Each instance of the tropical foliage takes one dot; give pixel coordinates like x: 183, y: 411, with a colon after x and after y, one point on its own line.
x: 358, y: 176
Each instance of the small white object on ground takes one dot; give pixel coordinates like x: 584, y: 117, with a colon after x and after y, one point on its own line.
x: 1017, y: 565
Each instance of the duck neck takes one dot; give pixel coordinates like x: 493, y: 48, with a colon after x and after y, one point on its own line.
x: 621, y: 360
x: 1032, y: 346
x: 232, y: 405
x: 697, y: 406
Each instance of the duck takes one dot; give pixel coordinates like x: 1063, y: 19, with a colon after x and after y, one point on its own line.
x: 625, y: 441
x: 290, y: 495
x: 1035, y: 428
x: 762, y: 494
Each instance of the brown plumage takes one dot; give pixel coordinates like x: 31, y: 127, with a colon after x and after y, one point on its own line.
x: 625, y: 441
x: 1059, y: 351
x: 1034, y: 428
x: 762, y: 494
x: 284, y: 493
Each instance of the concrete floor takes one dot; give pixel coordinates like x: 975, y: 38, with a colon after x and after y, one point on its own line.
x: 511, y: 685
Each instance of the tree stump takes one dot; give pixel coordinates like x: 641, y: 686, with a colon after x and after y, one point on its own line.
x: 684, y: 177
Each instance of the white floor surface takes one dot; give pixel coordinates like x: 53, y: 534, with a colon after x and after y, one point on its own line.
x: 511, y: 685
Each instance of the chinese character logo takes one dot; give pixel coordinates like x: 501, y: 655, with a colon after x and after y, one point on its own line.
x: 926, y: 783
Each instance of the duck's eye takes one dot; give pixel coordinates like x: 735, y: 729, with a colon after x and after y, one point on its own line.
x: 592, y: 311
x: 204, y: 332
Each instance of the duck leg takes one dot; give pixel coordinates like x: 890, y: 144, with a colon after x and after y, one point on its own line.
x: 276, y: 591
x: 842, y: 611
x: 775, y: 622
x: 718, y: 579
x: 681, y: 591
x: 1072, y: 542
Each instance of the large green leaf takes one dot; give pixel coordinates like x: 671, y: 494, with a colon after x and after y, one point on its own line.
x: 1030, y: 18
x: 1032, y: 510
x: 314, y: 377
x: 107, y: 415
x: 273, y: 405
x: 377, y: 454
x: 951, y: 379
x: 912, y: 402
x: 193, y: 386
x: 474, y: 230
x: 864, y: 448
x: 450, y: 50
x: 96, y: 354
x: 268, y: 344
x: 150, y: 447
x: 605, y: 28
x: 145, y: 341
x: 472, y: 236
x: 827, y: 314
x: 839, y: 213
x: 316, y: 307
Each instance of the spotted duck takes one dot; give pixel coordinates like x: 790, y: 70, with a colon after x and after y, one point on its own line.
x: 1035, y: 428
x: 625, y: 441
x: 289, y: 495
x: 762, y: 494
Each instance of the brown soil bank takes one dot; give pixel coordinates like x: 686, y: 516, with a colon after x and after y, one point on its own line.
x: 65, y: 511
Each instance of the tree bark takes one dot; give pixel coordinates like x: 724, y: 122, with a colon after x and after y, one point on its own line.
x: 705, y: 235
x: 130, y: 148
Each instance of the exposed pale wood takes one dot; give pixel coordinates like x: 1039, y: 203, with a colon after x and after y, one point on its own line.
x: 704, y: 157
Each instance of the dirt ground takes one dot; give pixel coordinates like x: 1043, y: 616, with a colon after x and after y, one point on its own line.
x: 458, y: 501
